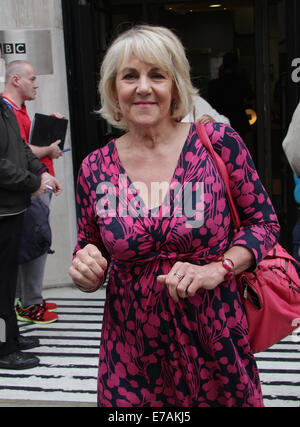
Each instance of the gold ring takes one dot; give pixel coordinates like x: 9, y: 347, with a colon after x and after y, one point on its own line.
x: 179, y: 276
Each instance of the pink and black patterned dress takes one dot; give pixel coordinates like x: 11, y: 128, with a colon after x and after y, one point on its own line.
x: 155, y: 352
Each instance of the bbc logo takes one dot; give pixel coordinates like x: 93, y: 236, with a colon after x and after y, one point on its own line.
x: 13, y: 48
x: 2, y: 331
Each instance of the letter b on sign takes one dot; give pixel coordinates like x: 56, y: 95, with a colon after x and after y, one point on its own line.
x: 2, y: 331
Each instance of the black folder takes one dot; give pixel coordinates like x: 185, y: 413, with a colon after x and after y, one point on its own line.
x: 47, y: 129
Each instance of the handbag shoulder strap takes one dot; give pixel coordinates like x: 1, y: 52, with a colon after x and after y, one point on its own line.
x: 222, y: 171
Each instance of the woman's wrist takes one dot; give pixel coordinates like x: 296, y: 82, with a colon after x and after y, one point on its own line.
x: 228, y: 267
x: 235, y: 260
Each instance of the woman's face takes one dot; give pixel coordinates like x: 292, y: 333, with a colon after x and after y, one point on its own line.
x: 144, y: 92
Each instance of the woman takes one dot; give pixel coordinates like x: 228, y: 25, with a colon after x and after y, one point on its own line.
x: 174, y: 329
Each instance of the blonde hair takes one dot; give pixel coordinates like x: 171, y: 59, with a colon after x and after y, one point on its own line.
x: 152, y: 45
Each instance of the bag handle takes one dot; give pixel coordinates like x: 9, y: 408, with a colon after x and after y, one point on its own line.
x: 277, y: 251
x: 222, y: 171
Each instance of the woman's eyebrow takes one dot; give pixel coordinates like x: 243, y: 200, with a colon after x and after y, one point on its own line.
x: 128, y: 70
x: 131, y: 69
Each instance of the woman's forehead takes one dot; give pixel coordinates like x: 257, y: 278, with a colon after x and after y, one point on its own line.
x: 146, y: 56
x: 134, y: 62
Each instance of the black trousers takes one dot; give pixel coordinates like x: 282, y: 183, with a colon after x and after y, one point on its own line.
x: 10, y: 237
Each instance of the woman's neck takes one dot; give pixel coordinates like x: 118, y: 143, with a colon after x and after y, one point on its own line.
x: 152, y: 137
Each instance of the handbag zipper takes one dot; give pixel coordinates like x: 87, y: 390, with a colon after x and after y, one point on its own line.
x: 245, y: 290
x: 295, y: 289
x: 251, y: 295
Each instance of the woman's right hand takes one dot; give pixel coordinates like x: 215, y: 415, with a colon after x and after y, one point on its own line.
x: 88, y: 269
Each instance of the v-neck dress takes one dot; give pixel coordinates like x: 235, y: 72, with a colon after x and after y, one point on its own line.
x: 154, y: 351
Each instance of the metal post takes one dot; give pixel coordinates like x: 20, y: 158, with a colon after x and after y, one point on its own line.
x: 263, y: 95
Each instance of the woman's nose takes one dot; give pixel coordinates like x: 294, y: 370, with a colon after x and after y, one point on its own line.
x: 144, y: 86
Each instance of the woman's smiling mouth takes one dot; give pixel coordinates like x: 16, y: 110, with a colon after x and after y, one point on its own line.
x: 144, y: 104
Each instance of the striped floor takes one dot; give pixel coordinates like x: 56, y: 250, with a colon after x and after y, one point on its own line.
x: 69, y: 357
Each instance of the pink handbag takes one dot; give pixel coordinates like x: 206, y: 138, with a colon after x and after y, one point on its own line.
x: 270, y: 293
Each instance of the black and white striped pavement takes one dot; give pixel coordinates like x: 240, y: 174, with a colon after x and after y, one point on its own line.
x: 69, y: 354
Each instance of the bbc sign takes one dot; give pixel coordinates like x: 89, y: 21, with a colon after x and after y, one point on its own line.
x: 13, y: 48
x: 33, y: 46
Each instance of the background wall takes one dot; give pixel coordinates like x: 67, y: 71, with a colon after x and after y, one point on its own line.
x: 18, y: 17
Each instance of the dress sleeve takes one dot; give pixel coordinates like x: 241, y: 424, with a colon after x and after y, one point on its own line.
x: 87, y: 227
x: 260, y: 228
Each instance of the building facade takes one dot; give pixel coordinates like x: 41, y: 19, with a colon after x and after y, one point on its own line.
x: 33, y: 30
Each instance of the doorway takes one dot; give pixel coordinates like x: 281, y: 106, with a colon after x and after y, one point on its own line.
x: 264, y: 35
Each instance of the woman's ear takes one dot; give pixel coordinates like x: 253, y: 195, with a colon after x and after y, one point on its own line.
x: 174, y: 106
x: 114, y: 92
x: 175, y: 102
x: 175, y: 94
x: 175, y: 98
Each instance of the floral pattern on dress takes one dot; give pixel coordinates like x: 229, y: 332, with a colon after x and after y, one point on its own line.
x: 155, y: 352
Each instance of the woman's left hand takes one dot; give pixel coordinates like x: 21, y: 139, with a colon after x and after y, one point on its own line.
x: 185, y: 279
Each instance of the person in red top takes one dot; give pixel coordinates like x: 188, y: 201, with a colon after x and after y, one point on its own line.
x: 21, y: 86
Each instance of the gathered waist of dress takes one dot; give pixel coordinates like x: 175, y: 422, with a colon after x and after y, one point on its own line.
x: 172, y: 257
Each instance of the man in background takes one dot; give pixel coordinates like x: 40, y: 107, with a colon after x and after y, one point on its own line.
x: 291, y: 147
x: 21, y: 86
x: 231, y: 94
x: 203, y: 112
x: 21, y: 175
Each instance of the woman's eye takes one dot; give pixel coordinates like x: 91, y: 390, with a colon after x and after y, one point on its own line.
x: 128, y: 76
x: 158, y: 76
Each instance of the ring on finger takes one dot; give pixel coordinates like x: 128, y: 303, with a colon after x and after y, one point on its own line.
x: 179, y: 276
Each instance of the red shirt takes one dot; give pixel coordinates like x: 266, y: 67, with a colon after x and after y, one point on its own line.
x: 25, y: 125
